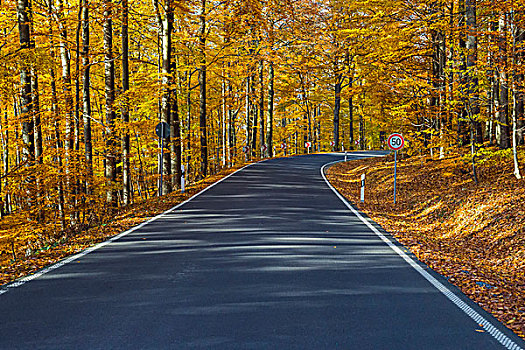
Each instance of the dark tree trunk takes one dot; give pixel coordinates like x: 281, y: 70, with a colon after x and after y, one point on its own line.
x: 86, y: 98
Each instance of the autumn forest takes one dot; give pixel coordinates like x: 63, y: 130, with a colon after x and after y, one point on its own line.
x: 83, y: 85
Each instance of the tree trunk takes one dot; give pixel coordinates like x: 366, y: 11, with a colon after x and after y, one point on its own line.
x: 24, y: 20
x: 519, y: 38
x: 253, y: 114
x: 261, y: 109
x: 269, y: 117
x: 202, y: 87
x: 26, y: 106
x: 517, y: 95
x: 248, y: 110
x: 176, y: 137
x: 337, y: 108
x: 86, y: 99
x: 109, y: 92
x: 503, y: 108
x: 167, y: 86
x: 126, y: 171
x: 462, y: 125
x: 472, y: 80
x: 57, y: 140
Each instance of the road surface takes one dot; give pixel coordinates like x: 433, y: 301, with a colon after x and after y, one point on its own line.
x: 270, y: 258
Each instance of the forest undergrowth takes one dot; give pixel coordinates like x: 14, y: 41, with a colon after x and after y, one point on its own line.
x: 27, y: 259
x: 473, y: 234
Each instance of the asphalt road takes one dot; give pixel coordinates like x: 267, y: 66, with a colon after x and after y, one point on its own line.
x: 270, y: 258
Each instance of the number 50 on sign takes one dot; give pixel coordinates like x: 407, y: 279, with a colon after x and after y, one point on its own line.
x: 396, y: 142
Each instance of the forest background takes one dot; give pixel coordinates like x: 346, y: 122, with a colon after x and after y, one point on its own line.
x: 83, y: 85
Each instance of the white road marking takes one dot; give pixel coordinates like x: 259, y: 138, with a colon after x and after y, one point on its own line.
x: 487, y: 326
x: 61, y: 263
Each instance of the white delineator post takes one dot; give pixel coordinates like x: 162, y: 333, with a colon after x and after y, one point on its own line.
x: 362, y: 188
x: 182, y: 180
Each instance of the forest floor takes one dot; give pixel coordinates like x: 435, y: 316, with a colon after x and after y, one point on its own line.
x: 473, y: 234
x: 126, y: 218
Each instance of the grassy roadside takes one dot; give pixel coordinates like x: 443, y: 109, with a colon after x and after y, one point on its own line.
x: 124, y: 219
x: 473, y: 234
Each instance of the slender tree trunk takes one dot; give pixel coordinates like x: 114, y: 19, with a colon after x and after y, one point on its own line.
x: 519, y: 38
x: 269, y: 117
x: 472, y: 80
x: 462, y: 125
x: 26, y: 106
x: 176, y: 137
x: 261, y: 108
x: 167, y: 85
x: 202, y: 86
x: 492, y: 88
x: 126, y: 171
x: 253, y: 115
x: 517, y: 95
x: 109, y: 91
x: 57, y: 140
x: 337, y: 108
x: 248, y: 110
x: 24, y: 20
x: 503, y: 110
x: 86, y: 99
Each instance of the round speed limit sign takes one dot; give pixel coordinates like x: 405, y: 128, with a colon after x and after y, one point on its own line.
x: 396, y: 142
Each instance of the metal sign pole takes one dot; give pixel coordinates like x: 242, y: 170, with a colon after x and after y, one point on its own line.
x: 395, y: 175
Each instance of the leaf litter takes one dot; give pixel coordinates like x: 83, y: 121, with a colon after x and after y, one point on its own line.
x: 473, y: 234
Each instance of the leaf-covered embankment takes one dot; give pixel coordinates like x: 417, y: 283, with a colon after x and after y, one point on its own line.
x: 473, y: 234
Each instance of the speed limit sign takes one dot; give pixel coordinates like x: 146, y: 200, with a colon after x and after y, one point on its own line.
x: 396, y: 142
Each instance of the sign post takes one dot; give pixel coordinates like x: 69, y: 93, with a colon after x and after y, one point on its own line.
x: 163, y: 132
x: 307, y: 145
x: 395, y: 143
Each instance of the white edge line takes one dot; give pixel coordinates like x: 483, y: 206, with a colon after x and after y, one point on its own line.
x: 77, y: 256
x: 487, y: 325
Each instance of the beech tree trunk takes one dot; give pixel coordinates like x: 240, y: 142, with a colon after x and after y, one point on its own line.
x: 126, y: 175
x: 167, y: 86
x: 202, y: 86
x: 503, y: 101
x: 28, y: 152
x: 176, y: 137
x: 269, y: 116
x: 109, y: 92
x: 517, y: 96
x: 248, y: 110
x: 337, y: 108
x: 261, y: 108
x: 57, y: 140
x: 86, y: 98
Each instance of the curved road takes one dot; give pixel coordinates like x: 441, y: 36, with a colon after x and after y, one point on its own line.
x: 270, y: 258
